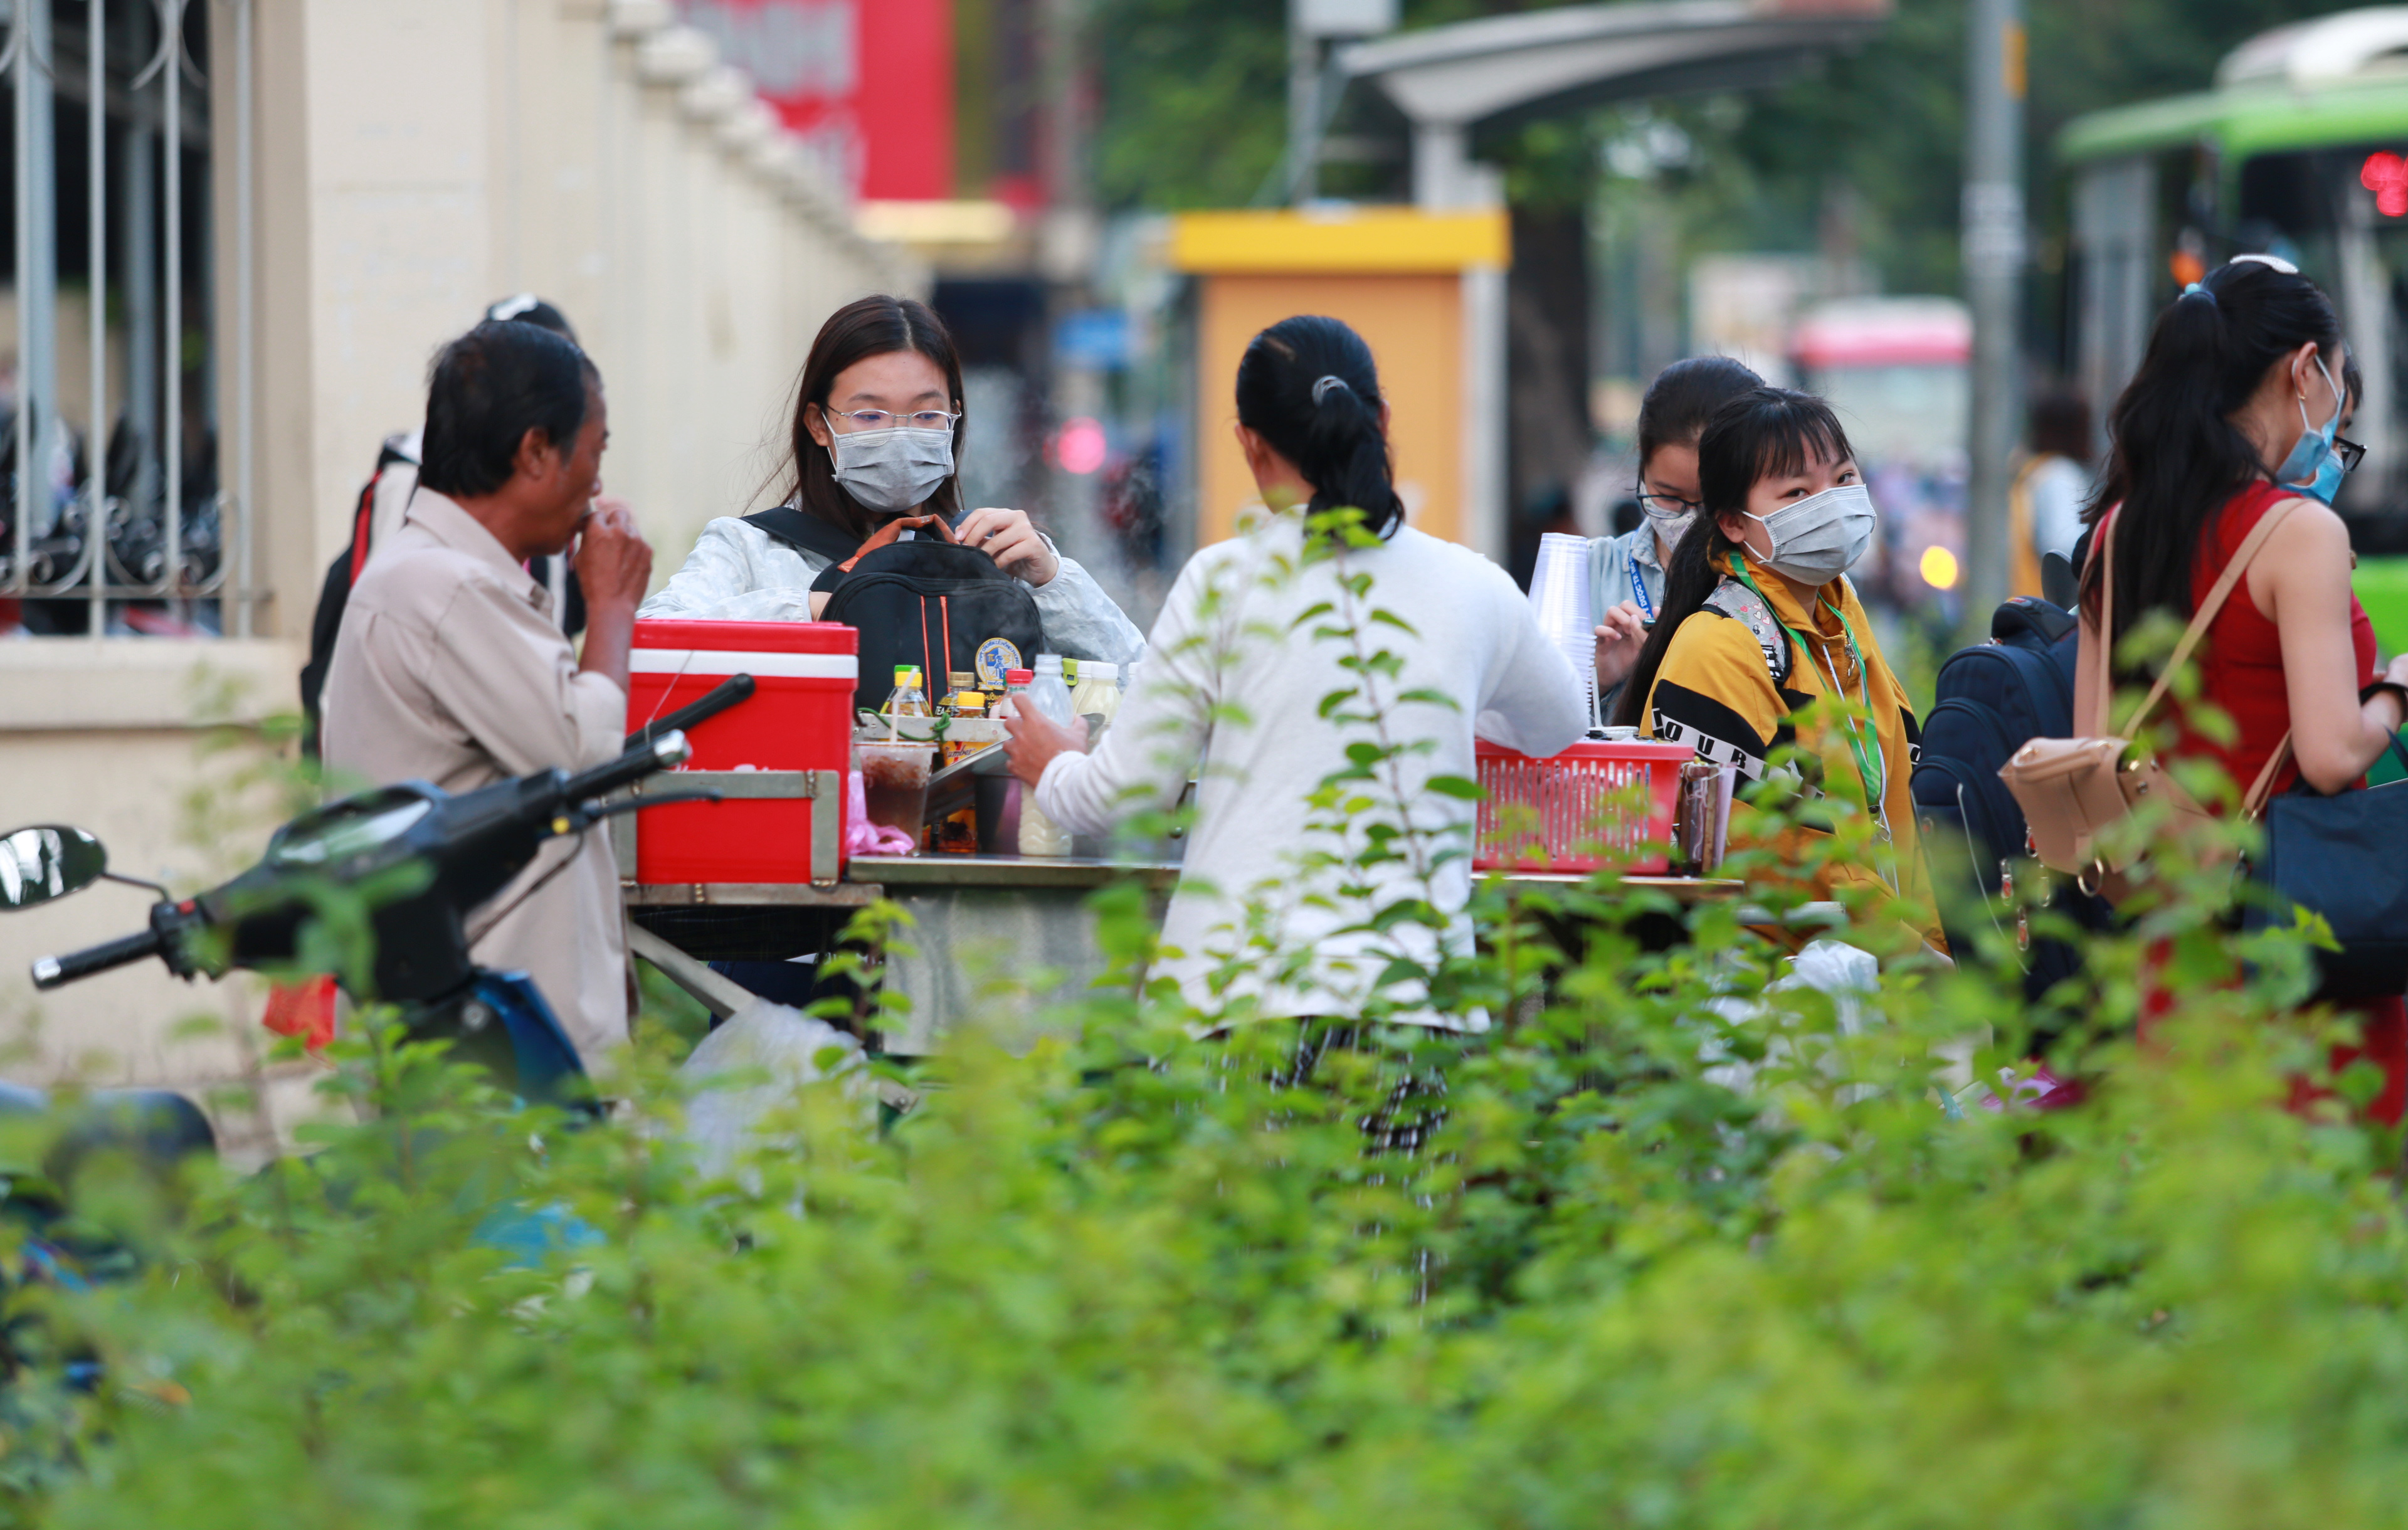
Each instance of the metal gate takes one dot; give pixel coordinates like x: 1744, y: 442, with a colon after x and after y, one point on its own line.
x: 136, y: 523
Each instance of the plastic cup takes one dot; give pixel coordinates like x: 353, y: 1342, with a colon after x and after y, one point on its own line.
x: 894, y: 783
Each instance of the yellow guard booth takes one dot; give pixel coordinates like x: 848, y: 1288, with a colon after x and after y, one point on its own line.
x: 1426, y: 290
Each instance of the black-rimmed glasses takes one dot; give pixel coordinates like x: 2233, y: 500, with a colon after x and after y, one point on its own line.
x: 1667, y: 506
x: 2350, y: 454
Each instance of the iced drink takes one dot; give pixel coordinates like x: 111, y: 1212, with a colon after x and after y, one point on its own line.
x: 894, y: 783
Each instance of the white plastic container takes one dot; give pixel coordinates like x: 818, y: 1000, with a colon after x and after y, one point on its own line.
x: 1040, y: 835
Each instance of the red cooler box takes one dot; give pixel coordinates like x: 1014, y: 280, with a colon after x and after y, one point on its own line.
x: 795, y: 735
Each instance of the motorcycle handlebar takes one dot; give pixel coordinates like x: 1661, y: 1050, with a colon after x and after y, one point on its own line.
x: 54, y: 971
x: 665, y: 752
x: 726, y: 693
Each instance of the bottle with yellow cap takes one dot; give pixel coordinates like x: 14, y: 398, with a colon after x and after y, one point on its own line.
x: 907, y: 699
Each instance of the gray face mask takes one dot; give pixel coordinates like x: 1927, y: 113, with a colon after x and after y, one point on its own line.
x: 1820, y: 538
x: 891, y: 471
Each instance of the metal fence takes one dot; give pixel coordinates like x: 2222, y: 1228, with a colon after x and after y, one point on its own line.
x: 133, y: 523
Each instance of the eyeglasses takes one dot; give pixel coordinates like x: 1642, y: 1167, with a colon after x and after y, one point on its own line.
x: 2349, y: 451
x: 883, y: 419
x: 1667, y: 506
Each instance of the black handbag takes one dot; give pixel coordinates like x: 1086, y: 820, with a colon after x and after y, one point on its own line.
x: 2344, y: 856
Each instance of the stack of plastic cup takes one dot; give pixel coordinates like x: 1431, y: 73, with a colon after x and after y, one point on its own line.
x: 1560, y: 598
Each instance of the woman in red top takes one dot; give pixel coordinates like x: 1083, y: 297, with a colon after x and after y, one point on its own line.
x: 2237, y: 409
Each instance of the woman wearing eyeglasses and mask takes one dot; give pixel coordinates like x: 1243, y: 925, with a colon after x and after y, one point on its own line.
x: 1626, y: 573
x: 1760, y: 629
x: 878, y: 422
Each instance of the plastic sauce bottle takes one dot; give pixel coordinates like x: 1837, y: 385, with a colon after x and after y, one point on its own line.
x: 907, y: 699
x: 1097, y: 698
x: 957, y: 833
x: 1040, y: 835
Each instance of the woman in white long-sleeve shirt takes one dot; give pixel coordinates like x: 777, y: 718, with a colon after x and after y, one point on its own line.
x: 1237, y: 673
x: 878, y: 417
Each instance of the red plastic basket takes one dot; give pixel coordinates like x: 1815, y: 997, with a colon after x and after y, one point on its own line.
x: 1595, y: 805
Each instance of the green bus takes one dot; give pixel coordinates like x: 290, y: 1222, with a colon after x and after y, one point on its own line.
x: 2297, y: 152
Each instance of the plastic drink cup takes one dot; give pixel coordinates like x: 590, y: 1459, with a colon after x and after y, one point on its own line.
x: 895, y: 781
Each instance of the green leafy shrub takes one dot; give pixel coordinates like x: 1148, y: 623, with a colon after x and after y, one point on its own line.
x: 1691, y: 1244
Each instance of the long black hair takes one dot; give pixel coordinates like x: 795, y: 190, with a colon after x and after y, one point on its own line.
x: 1306, y: 386
x: 2176, y: 456
x: 1683, y: 397
x: 1763, y: 433
x: 875, y: 325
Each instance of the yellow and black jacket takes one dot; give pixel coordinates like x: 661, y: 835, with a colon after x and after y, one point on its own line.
x: 1737, y: 689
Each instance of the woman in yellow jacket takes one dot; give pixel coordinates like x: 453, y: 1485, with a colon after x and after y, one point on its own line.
x: 1760, y: 626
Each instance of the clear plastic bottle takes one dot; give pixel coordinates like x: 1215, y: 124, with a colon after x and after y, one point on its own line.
x: 1048, y: 691
x: 1040, y: 835
x: 907, y: 699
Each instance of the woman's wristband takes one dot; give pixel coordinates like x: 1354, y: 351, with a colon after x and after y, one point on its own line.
x: 2399, y: 694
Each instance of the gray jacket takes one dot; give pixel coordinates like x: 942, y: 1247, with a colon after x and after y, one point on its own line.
x: 1621, y: 568
x: 738, y: 572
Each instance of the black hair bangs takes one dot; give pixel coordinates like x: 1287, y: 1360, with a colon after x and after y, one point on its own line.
x: 1764, y: 433
x: 1798, y: 438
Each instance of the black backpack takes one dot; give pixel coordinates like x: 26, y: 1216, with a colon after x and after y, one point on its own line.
x: 1989, y: 700
x: 921, y: 602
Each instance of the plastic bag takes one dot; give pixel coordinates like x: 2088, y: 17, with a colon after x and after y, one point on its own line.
x: 862, y: 837
x: 751, y: 1067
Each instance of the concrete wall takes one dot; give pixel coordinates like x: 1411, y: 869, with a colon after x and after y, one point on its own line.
x: 412, y: 163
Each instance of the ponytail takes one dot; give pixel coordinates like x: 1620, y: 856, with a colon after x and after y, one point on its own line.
x: 1308, y: 387
x: 2176, y: 457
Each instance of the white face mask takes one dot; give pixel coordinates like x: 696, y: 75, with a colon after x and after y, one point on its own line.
x: 1820, y: 538
x: 894, y: 470
x: 1670, y: 529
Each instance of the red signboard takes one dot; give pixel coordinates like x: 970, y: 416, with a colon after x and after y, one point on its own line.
x: 869, y: 84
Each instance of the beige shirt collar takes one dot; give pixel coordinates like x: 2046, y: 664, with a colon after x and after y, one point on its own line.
x: 442, y: 518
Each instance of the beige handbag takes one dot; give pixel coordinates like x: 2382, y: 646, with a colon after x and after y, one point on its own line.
x: 2071, y: 788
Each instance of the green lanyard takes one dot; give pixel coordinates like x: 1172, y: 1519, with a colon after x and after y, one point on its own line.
x: 1871, y: 763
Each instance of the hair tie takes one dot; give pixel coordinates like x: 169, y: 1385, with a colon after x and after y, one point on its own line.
x: 2195, y: 289
x: 1321, y: 388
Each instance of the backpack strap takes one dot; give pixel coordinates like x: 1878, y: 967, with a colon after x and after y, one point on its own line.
x: 806, y: 532
x: 1750, y: 610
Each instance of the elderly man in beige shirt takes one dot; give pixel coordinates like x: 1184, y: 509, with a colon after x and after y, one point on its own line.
x: 451, y: 669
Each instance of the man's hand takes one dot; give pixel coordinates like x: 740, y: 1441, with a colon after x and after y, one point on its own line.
x: 1034, y: 739
x: 613, y: 561
x: 613, y: 566
x: 1619, y: 638
x: 892, y: 532
x: 1006, y: 536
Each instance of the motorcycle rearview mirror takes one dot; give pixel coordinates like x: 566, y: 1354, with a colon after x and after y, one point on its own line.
x: 47, y: 860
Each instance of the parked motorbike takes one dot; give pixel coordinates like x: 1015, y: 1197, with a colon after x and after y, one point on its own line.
x: 421, y: 861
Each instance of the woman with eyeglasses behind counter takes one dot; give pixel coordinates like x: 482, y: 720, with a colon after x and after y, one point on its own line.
x: 871, y: 458
x: 1626, y: 573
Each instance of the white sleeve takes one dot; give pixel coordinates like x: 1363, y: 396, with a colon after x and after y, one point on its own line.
x: 722, y: 580
x: 1531, y: 700
x: 1146, y: 757
x: 1082, y: 621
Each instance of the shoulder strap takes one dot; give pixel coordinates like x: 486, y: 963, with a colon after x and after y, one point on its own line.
x: 2206, y: 614
x: 1748, y: 608
x: 2262, y: 789
x: 806, y: 532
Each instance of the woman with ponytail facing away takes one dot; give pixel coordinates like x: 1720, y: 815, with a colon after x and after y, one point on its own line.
x: 2234, y: 418
x: 1761, y: 634
x: 1255, y: 637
